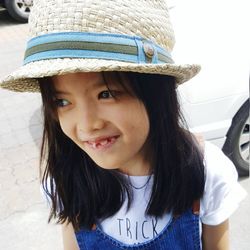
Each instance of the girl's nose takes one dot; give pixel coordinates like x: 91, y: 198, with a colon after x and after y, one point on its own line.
x: 88, y: 120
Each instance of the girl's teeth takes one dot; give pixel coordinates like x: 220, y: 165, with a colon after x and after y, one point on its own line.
x: 104, y: 142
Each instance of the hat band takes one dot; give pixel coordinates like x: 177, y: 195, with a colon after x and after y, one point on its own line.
x: 95, y: 46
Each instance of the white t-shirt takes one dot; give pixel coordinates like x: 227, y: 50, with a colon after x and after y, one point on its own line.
x: 221, y: 198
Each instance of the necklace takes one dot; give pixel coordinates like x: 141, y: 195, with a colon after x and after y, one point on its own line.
x: 142, y: 185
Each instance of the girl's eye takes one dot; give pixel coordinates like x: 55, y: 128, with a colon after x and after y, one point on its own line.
x: 106, y: 94
x: 61, y: 103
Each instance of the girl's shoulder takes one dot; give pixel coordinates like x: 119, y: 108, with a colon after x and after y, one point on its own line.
x: 217, y: 163
x: 222, y: 193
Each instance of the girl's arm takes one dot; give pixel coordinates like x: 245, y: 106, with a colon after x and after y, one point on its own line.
x: 69, y: 238
x: 215, y: 237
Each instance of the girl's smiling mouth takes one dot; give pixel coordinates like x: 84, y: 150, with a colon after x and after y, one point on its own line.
x: 102, y: 143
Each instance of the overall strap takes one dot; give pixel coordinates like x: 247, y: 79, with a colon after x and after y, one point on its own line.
x: 196, y: 207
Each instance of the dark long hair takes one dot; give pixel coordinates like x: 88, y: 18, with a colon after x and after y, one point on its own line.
x: 82, y: 192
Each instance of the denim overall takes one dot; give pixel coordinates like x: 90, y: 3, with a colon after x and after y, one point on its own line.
x: 182, y: 232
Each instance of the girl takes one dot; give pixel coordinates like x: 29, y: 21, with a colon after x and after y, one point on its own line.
x: 122, y: 171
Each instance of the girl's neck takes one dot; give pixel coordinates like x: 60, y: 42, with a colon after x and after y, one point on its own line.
x: 141, y: 165
x: 135, y: 173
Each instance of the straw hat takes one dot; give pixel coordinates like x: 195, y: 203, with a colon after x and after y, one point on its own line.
x: 69, y: 36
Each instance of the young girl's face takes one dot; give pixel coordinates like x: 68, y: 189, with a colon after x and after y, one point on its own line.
x: 109, y: 124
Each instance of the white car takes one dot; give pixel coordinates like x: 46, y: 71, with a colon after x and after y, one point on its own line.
x: 215, y: 103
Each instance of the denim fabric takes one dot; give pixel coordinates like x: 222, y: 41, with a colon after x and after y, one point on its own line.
x: 181, y: 233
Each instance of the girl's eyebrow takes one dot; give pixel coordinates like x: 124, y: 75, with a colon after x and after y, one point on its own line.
x: 59, y: 92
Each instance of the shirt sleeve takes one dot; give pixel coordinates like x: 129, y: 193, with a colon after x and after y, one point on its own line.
x: 222, y: 193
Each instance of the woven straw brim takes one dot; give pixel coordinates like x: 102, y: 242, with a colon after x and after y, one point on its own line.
x: 25, y: 78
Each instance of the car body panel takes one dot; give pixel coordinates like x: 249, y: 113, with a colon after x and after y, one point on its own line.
x: 209, y: 120
x: 207, y: 34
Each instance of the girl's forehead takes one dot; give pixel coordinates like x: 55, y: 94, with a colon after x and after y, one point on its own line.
x: 87, y: 77
x: 77, y: 81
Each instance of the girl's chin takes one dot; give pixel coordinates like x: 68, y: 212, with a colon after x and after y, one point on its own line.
x: 106, y: 166
x: 100, y: 160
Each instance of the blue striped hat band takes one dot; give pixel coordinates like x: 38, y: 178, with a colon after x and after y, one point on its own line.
x: 132, y: 49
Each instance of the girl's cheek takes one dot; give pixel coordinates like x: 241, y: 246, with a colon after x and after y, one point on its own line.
x: 66, y: 126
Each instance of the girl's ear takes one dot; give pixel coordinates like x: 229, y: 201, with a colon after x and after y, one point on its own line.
x: 200, y: 139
